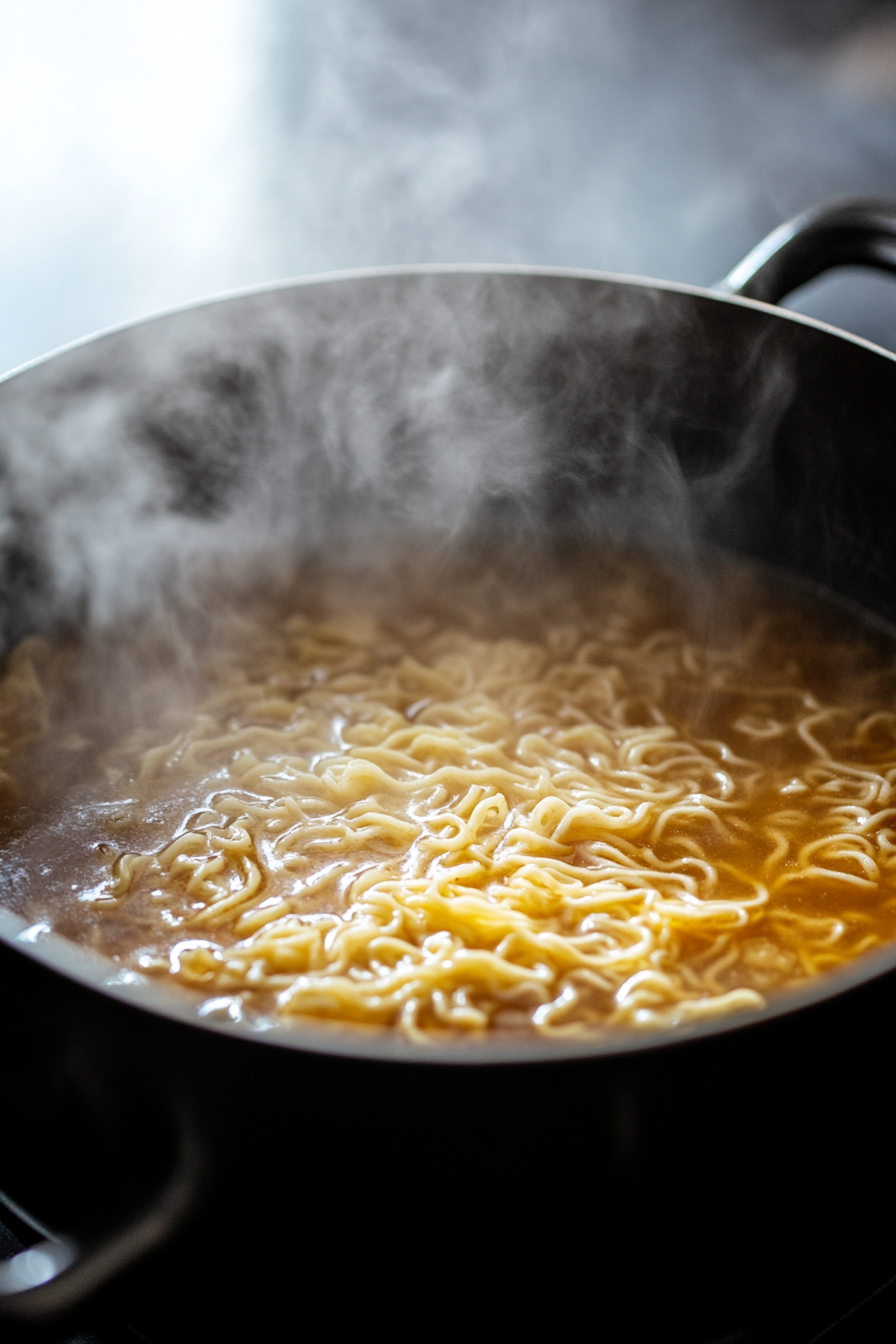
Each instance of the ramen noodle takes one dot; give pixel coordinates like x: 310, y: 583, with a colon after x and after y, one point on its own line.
x: 591, y: 815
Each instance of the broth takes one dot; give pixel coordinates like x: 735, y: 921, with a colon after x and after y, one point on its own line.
x: 598, y: 792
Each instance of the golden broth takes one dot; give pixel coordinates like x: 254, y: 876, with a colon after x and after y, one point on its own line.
x: 600, y: 795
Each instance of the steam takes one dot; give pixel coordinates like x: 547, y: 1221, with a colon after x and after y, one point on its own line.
x: 161, y: 152
x: 435, y: 410
x: 631, y: 136
x: 428, y: 409
x: 626, y: 135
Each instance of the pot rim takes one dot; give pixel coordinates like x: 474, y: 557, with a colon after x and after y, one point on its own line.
x: 387, y: 1044
x: 445, y: 268
x: 93, y: 971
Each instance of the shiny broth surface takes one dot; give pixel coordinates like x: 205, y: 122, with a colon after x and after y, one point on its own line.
x: 596, y: 793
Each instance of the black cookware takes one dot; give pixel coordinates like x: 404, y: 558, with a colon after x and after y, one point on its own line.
x: 713, y: 1174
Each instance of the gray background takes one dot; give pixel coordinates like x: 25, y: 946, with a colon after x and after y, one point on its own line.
x: 155, y: 151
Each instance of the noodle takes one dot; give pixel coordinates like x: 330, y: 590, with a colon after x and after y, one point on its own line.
x: 599, y: 821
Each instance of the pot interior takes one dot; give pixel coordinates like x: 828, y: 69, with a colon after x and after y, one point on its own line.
x: 437, y: 407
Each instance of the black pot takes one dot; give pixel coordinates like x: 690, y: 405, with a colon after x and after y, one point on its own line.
x: 707, y: 1179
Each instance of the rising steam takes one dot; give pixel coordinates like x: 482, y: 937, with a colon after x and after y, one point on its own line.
x: 429, y: 407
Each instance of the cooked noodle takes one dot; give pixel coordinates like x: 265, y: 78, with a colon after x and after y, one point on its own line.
x: 599, y: 821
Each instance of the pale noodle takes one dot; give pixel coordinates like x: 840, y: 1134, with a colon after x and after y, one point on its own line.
x: 430, y: 828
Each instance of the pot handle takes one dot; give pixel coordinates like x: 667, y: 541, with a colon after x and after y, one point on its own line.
x: 62, y: 1271
x: 843, y: 233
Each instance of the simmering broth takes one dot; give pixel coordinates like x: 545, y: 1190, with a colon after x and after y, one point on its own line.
x: 595, y: 793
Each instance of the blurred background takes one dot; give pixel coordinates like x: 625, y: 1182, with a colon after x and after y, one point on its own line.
x: 156, y: 151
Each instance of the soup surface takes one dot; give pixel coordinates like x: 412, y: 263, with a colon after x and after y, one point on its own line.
x: 594, y: 793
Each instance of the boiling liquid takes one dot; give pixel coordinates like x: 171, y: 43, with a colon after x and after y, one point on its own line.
x: 596, y: 794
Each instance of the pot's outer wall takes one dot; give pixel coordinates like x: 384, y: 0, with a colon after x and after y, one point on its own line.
x: 701, y: 1177
x: 735, y: 1179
